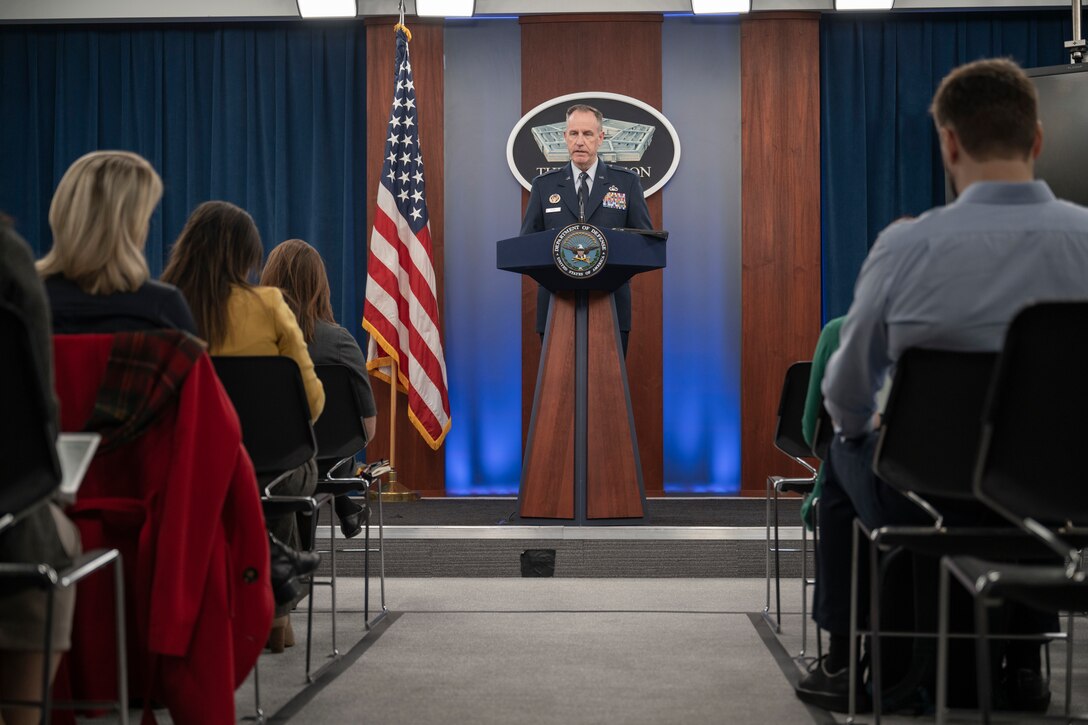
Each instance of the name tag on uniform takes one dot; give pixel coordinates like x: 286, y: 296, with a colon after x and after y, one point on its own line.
x: 550, y: 209
x: 615, y: 200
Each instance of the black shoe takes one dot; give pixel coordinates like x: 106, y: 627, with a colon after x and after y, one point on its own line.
x: 352, y: 516
x: 1024, y: 690
x: 831, y: 690
x: 287, y: 562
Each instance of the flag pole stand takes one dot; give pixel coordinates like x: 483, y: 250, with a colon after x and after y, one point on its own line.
x: 393, y: 490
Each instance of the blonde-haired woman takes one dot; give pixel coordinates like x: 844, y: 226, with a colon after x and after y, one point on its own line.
x: 96, y: 275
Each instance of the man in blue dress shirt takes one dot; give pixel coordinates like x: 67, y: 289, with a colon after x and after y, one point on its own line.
x: 951, y: 279
x: 589, y: 190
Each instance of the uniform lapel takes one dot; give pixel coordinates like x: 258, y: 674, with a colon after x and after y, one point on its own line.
x: 600, y: 186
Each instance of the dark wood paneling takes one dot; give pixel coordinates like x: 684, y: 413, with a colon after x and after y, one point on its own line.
x: 780, y: 226
x: 418, y: 467
x: 611, y: 477
x: 547, y: 483
x: 624, y: 55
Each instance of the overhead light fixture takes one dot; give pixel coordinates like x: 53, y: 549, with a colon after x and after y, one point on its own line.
x: 445, y: 8
x: 327, y: 8
x: 720, y: 7
x: 864, y: 4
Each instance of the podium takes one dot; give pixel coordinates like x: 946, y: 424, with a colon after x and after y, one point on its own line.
x: 581, y: 462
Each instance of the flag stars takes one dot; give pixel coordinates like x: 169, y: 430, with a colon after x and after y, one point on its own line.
x: 418, y: 177
x: 409, y: 103
x: 393, y: 139
x: 416, y: 214
x: 406, y: 158
x: 419, y: 160
x: 406, y: 140
x: 417, y: 195
x: 403, y: 195
x: 395, y: 121
x: 392, y: 176
x: 408, y: 122
x: 410, y: 84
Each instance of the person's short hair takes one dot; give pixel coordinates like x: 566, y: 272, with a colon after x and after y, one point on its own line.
x: 298, y: 270
x: 992, y: 106
x: 99, y: 216
x: 218, y: 249
x: 585, y: 108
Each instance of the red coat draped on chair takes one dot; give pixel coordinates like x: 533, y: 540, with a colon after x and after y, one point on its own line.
x: 178, y: 496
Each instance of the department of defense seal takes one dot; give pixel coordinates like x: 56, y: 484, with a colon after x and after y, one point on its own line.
x: 580, y: 250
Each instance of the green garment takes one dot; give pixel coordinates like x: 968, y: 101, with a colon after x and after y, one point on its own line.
x: 827, y: 344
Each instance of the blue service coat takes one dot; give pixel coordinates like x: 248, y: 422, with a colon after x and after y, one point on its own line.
x: 625, y: 207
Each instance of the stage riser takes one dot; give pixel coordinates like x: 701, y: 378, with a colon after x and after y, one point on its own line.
x: 573, y: 558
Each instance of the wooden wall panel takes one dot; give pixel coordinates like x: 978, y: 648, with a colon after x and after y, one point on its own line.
x: 780, y: 227
x: 418, y: 467
x: 617, y: 54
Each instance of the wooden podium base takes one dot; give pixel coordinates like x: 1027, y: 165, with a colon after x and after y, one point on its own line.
x: 581, y: 461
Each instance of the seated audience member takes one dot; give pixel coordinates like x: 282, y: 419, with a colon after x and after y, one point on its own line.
x: 96, y: 275
x: 212, y: 261
x: 296, y: 268
x: 44, y: 535
x: 951, y: 279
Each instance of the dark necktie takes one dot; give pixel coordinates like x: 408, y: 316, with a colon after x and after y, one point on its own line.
x: 583, y: 195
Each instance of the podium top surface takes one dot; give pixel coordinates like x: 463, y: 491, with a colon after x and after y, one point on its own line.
x: 628, y: 254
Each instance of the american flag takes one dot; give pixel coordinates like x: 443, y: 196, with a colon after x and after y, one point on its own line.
x: 401, y: 309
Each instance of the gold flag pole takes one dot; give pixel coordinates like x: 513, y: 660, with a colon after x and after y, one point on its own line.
x: 394, y: 490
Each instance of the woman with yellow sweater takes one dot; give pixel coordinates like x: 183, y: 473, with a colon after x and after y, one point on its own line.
x: 212, y: 262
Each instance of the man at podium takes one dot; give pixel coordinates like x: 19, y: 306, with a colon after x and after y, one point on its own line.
x: 586, y: 190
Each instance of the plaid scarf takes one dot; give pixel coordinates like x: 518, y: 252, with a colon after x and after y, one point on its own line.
x: 143, y: 375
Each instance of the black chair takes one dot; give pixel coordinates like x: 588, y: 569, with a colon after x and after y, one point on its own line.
x: 31, y: 473
x: 340, y: 436
x: 270, y: 400
x: 789, y: 439
x: 1028, y: 460
x: 926, y: 450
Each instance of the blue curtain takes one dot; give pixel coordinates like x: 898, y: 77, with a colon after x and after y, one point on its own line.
x: 269, y: 116
x: 879, y: 153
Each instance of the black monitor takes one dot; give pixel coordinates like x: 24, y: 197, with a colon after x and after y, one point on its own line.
x: 1063, y: 109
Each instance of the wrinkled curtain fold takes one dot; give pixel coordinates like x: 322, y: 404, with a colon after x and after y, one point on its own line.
x: 879, y: 154
x: 269, y: 116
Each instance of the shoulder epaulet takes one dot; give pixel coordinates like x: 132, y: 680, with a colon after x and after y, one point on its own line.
x: 624, y: 169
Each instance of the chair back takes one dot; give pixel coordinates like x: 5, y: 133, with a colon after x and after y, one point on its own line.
x: 788, y: 437
x: 1030, y: 462
x: 339, y: 430
x: 270, y: 400
x: 29, y: 468
x: 933, y: 421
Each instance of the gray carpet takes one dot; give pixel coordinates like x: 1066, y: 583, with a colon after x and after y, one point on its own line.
x: 563, y: 651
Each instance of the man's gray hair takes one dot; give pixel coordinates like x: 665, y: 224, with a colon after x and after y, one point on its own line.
x: 585, y: 108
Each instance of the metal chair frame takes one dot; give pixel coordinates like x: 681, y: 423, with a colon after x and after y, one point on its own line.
x: 788, y: 440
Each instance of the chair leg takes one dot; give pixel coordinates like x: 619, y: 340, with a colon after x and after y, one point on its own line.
x: 816, y: 558
x: 942, y: 643
x: 853, y: 671
x: 767, y: 555
x: 804, y: 590
x: 982, y: 656
x: 777, y: 568
x: 122, y: 647
x: 366, y: 569
x: 1068, y: 664
x: 47, y: 652
x: 381, y: 552
x: 876, y: 669
x: 332, y: 569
